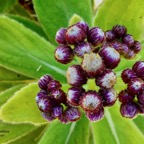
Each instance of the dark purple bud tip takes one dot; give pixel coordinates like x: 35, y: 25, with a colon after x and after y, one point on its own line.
x: 127, y: 75
x: 130, y: 54
x: 46, y: 104
x: 44, y: 81
x: 41, y: 95
x: 59, y: 95
x: 91, y: 101
x: 128, y: 40
x: 135, y: 86
x: 92, y: 64
x: 73, y: 114
x: 57, y: 110
x: 107, y: 79
x: 109, y: 35
x: 116, y: 45
x: 141, y: 97
x: 136, y: 47
x: 74, y: 95
x: 109, y: 96
x: 60, y: 36
x: 96, y: 36
x: 125, y: 97
x: 141, y: 108
x: 48, y: 116
x: 110, y: 57
x: 75, y: 34
x: 83, y: 25
x: 129, y: 110
x: 124, y: 50
x: 119, y: 30
x: 63, y: 118
x: 96, y: 115
x: 76, y: 76
x: 64, y: 54
x: 82, y: 48
x: 138, y: 67
x: 54, y: 84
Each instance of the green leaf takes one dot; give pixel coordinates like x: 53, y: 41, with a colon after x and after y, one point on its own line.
x: 56, y: 14
x: 128, y: 13
x: 30, y: 138
x: 116, y: 129
x: 10, y: 131
x: 22, y: 106
x: 29, y: 24
x: 74, y: 19
x: 25, y: 52
x: 5, y: 5
x: 5, y: 95
x: 75, y: 133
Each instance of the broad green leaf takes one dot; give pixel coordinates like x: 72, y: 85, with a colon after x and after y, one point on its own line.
x: 74, y: 19
x: 29, y: 24
x: 74, y: 133
x: 56, y: 14
x: 128, y: 13
x: 27, y: 53
x: 22, y: 106
x: 5, y: 95
x: 14, y: 131
x: 9, y: 79
x: 31, y: 138
x: 116, y: 129
x: 5, y: 5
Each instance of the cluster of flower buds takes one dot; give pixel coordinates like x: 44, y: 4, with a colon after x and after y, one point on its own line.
x: 52, y: 101
x: 132, y: 98
x: 100, y: 53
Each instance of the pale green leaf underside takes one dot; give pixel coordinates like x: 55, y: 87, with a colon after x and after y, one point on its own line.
x: 22, y: 106
x: 56, y: 14
x: 25, y: 52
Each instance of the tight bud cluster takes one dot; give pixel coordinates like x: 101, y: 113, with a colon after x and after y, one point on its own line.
x: 132, y: 98
x: 52, y: 101
x: 100, y: 53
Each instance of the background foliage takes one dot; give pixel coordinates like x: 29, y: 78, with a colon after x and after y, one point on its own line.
x: 26, y: 52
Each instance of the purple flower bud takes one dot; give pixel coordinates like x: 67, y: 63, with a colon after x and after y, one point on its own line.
x: 91, y: 101
x: 125, y: 97
x: 138, y: 67
x: 124, y: 50
x: 119, y: 30
x: 63, y: 118
x: 83, y: 25
x: 46, y: 104
x: 64, y: 54
x: 82, y: 48
x: 92, y: 64
x: 129, y: 110
x: 127, y: 75
x: 109, y: 35
x: 60, y: 36
x: 116, y: 45
x: 136, y: 47
x: 128, y: 40
x: 110, y: 57
x: 57, y: 110
x: 74, y: 95
x: 73, y: 114
x: 48, y: 116
x: 141, y: 97
x: 96, y: 115
x: 44, y: 81
x: 135, y: 86
x: 107, y: 79
x: 54, y: 84
x: 130, y: 54
x: 76, y: 76
x: 141, y: 108
x: 41, y: 95
x: 96, y: 36
x: 109, y: 96
x: 75, y: 34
